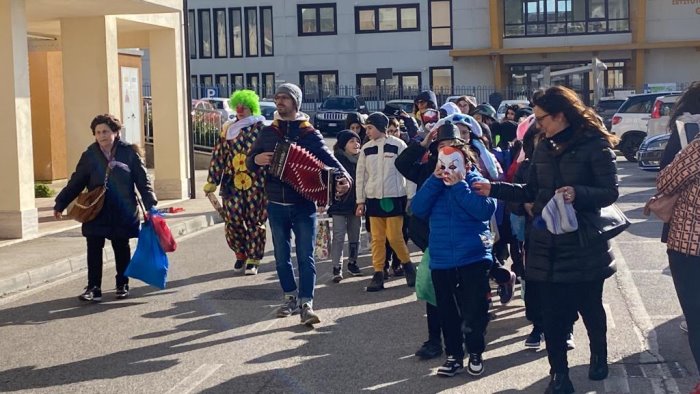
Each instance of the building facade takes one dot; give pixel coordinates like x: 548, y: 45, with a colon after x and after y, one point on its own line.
x: 449, y: 45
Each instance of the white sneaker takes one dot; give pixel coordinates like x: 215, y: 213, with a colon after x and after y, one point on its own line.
x: 251, y: 269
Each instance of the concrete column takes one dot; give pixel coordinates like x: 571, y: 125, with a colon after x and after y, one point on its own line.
x: 90, y: 78
x: 18, y: 214
x: 168, y: 92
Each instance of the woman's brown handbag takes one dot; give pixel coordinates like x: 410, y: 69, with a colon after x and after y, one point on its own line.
x: 661, y: 205
x: 88, y: 205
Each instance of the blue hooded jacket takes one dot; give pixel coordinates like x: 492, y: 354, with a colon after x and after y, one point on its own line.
x: 459, y: 221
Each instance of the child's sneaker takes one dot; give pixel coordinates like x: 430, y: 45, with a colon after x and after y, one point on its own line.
x: 570, y: 344
x: 353, y: 269
x: 337, y: 274
x: 251, y: 269
x: 410, y: 272
x: 308, y: 316
x: 377, y: 282
x: 505, y: 290
x: 476, y: 364
x: 534, y: 340
x: 122, y: 291
x: 289, y: 307
x: 91, y: 294
x: 451, y: 367
x: 238, y: 266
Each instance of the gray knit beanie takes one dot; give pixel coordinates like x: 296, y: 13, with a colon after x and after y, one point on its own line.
x: 293, y: 91
x: 378, y: 120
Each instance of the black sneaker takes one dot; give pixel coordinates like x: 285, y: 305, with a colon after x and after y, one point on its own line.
x: 397, y: 271
x: 386, y: 274
x: 451, y: 367
x: 377, y: 282
x: 505, y: 290
x: 410, y: 272
x: 560, y: 384
x: 238, y: 266
x: 91, y: 294
x: 353, y: 269
x: 598, y: 369
x: 534, y: 340
x: 476, y: 364
x: 430, y: 349
x: 337, y: 274
x: 570, y: 344
x: 122, y: 291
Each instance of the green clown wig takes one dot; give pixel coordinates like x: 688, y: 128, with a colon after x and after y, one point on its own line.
x: 247, y: 98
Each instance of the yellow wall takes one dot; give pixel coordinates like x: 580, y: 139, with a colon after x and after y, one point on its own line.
x: 48, y: 119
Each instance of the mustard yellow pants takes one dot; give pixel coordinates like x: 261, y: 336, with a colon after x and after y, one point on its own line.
x: 383, y: 229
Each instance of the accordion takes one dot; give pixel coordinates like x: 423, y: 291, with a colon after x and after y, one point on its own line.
x: 301, y: 170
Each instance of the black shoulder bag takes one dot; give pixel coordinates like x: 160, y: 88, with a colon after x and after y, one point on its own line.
x: 600, y: 225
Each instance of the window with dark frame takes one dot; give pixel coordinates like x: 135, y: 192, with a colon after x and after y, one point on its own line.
x: 252, y: 82
x: 236, y: 32
x: 194, y: 79
x: 205, y: 82
x: 251, y: 31
x: 266, y: 33
x: 440, y: 20
x: 222, y: 84
x: 220, y: 45
x: 192, y: 33
x: 385, y: 19
x: 204, y: 28
x: 237, y: 82
x: 441, y: 79
x: 317, y: 85
x: 317, y: 19
x: 525, y: 18
x: 402, y: 85
x: 268, y: 88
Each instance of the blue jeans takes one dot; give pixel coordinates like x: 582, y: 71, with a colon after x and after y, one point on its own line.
x: 300, y: 218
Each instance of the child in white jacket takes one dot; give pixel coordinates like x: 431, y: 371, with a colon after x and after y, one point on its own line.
x: 381, y: 193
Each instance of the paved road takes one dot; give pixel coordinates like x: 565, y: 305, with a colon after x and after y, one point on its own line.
x: 214, y: 332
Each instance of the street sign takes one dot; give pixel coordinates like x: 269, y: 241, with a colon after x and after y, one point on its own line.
x: 212, y: 92
x: 385, y: 73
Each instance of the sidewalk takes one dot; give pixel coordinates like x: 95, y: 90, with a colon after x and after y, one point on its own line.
x: 60, y: 249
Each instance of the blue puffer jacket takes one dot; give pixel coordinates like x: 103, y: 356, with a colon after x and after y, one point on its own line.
x: 459, y: 221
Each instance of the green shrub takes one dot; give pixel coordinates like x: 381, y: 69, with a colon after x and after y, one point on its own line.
x: 43, y: 191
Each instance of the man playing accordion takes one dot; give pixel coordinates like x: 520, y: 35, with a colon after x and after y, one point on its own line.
x: 288, y: 208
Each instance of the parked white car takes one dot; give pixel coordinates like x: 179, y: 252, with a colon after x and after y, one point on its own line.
x: 221, y: 104
x: 658, y: 124
x: 267, y: 109
x: 630, y: 122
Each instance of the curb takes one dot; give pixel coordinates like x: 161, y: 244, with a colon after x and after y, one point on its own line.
x: 69, y: 265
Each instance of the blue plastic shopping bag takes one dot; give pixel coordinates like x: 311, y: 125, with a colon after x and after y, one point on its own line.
x: 149, y: 263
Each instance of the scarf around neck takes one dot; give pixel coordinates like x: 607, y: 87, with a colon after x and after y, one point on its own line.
x: 235, y: 128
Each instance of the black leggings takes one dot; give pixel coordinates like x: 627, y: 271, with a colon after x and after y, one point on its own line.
x: 122, y: 256
x: 561, y: 303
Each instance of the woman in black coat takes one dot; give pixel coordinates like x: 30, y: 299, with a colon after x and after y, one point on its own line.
x: 118, y: 219
x: 576, y: 159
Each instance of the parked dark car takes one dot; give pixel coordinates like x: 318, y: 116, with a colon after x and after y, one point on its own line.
x: 606, y: 108
x: 331, y: 115
x: 650, y: 152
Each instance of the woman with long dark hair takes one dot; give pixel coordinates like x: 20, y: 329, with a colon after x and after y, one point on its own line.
x: 575, y: 159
